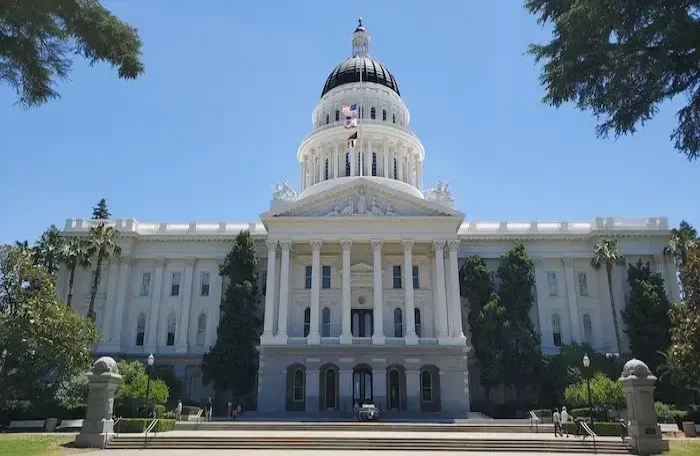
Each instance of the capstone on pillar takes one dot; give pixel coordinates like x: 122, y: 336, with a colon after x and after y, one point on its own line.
x: 98, y: 426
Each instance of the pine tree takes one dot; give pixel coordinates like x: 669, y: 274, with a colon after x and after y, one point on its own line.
x: 231, y: 364
x: 100, y: 212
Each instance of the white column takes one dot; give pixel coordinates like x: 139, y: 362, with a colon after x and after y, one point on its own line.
x: 441, y: 303
x: 268, y: 323
x: 186, y: 304
x: 378, y: 336
x: 456, y: 302
x: 419, y: 175
x: 368, y: 157
x: 353, y: 152
x: 571, y: 296
x: 301, y: 176
x: 411, y: 338
x: 346, y: 335
x: 386, y: 159
x: 155, y: 306
x: 336, y: 160
x: 109, y: 302
x: 321, y: 167
x: 399, y: 166
x: 126, y: 263
x: 284, y: 292
x: 314, y: 337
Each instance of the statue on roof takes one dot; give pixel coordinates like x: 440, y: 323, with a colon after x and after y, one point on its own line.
x: 284, y: 192
x: 441, y: 192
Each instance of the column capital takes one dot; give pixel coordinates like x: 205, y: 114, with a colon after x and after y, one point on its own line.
x: 568, y: 262
x: 316, y: 245
x: 160, y: 262
x: 126, y: 259
x: 286, y: 245
x: 347, y: 245
x: 271, y: 246
x: 189, y: 261
x: 439, y: 244
x: 407, y: 244
x: 377, y: 245
x: 453, y: 244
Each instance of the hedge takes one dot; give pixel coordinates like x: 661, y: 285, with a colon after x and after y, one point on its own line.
x: 139, y: 425
x: 599, y: 427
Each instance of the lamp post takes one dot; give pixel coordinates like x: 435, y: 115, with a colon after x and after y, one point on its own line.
x: 587, y: 364
x: 149, y: 368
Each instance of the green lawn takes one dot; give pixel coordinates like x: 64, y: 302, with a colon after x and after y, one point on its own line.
x: 684, y: 447
x: 36, y: 445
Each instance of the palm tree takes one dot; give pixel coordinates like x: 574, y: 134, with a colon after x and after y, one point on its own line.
x: 102, y: 242
x: 606, y: 253
x: 74, y: 253
x: 671, y: 370
x: 682, y: 240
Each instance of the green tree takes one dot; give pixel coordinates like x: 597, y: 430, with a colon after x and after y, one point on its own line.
x: 682, y: 239
x: 47, y: 250
x: 605, y: 393
x: 605, y: 253
x: 103, y: 243
x: 621, y: 60
x: 516, y: 277
x: 38, y: 37
x: 671, y: 372
x: 101, y: 212
x: 647, y: 313
x: 231, y: 364
x: 43, y: 343
x: 74, y: 253
x: 131, y: 394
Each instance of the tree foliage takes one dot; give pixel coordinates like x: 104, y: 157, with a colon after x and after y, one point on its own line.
x: 102, y: 242
x: 606, y: 253
x: 74, y: 254
x: 621, y: 60
x: 131, y: 393
x: 37, y: 38
x: 681, y: 241
x: 231, y: 365
x: 47, y: 250
x: 604, y: 392
x: 42, y: 342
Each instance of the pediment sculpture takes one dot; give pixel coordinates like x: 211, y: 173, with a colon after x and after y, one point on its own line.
x: 362, y: 204
x: 284, y: 192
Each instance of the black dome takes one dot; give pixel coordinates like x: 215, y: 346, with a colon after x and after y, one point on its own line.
x: 349, y: 71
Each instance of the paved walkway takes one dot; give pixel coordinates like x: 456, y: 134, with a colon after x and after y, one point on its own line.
x: 315, y: 453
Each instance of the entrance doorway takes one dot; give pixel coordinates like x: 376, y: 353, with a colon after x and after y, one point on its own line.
x: 394, y: 391
x: 361, y: 322
x: 362, y: 386
x: 330, y: 387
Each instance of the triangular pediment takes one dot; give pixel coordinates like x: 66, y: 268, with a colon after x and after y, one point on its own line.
x: 363, y: 198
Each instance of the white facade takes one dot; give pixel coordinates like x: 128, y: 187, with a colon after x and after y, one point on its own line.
x: 360, y: 272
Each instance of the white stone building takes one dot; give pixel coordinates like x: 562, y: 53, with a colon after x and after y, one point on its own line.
x: 360, y: 271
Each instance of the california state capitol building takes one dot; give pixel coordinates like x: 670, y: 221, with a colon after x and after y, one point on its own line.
x: 359, y: 271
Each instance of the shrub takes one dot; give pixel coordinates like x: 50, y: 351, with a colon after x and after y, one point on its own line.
x: 160, y: 410
x: 667, y: 413
x: 138, y: 425
x: 583, y: 412
x: 601, y: 428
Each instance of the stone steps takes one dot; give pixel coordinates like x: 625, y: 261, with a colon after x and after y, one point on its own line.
x: 165, y: 441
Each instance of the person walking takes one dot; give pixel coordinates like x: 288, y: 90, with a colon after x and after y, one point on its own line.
x: 229, y: 410
x: 178, y: 410
x: 565, y: 420
x: 208, y: 409
x: 556, y: 419
x: 238, y: 410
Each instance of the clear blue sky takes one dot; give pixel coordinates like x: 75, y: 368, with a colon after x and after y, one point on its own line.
x: 228, y: 94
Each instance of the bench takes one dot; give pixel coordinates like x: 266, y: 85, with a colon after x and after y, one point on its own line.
x: 668, y: 428
x: 70, y: 424
x: 35, y: 425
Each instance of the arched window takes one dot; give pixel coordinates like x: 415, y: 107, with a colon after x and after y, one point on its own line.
x: 374, y: 163
x: 201, y: 329
x: 396, y: 169
x: 337, y: 115
x: 140, y: 329
x: 398, y: 323
x: 362, y: 112
x: 426, y: 386
x: 171, y: 330
x: 372, y: 113
x: 299, y: 386
x: 384, y: 115
x: 416, y: 318
x: 325, y: 171
x: 556, y: 329
x: 347, y: 164
x: 328, y: 119
x: 307, y: 321
x: 326, y: 322
x: 587, y: 329
x: 393, y: 118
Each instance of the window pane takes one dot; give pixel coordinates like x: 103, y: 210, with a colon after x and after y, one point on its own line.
x: 307, y: 321
x: 416, y: 318
x: 552, y: 283
x: 326, y: 277
x: 416, y: 276
x: 205, y: 279
x: 175, y: 287
x: 582, y: 284
x: 397, y: 276
x: 146, y: 284
x: 307, y: 278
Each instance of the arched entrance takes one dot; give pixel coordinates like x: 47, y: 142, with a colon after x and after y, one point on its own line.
x: 362, y: 385
x: 396, y: 388
x: 328, y: 387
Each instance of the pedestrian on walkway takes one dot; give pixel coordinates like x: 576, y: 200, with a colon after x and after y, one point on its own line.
x: 565, y: 420
x: 178, y: 410
x: 556, y: 419
x: 209, y: 409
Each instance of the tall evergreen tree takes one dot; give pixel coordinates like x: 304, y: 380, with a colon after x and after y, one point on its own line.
x: 646, y: 314
x: 231, y: 364
x: 100, y: 212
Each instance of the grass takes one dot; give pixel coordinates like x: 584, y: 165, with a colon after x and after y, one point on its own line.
x: 684, y: 447
x: 37, y: 445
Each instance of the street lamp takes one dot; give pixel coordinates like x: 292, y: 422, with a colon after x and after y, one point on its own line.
x: 587, y: 364
x: 149, y: 368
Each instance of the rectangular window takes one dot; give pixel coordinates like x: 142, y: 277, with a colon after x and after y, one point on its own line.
x: 397, y: 277
x: 557, y: 339
x: 263, y: 283
x: 552, y: 283
x: 326, y: 277
x: 307, y: 278
x: 416, y: 280
x: 145, y: 284
x: 582, y: 284
x: 175, y: 284
x: 204, y: 283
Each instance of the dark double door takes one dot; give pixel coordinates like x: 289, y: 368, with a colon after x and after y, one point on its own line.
x: 362, y: 322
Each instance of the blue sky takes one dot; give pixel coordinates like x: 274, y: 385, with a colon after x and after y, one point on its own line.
x: 228, y: 94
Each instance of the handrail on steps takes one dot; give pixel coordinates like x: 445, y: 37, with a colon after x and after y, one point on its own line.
x: 534, y: 419
x: 198, y: 419
x: 116, y: 426
x: 590, y: 432
x: 153, y: 425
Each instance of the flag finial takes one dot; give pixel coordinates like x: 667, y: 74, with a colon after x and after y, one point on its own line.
x: 359, y: 20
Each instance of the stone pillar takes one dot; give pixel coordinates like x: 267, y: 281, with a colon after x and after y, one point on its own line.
x: 186, y: 305
x: 155, y: 306
x: 314, y: 338
x: 379, y: 385
x: 638, y: 384
x: 353, y: 153
x: 399, y: 165
x: 345, y: 388
x: 321, y: 166
x: 413, y: 389
x: 284, y: 292
x: 409, y: 307
x: 269, y: 317
x: 336, y: 160
x: 378, y: 337
x: 301, y: 176
x: 98, y: 426
x: 441, y: 303
x: 125, y: 265
x: 455, y: 299
x: 386, y: 159
x: 573, y: 304
x: 109, y: 304
x: 346, y: 335
x: 312, y: 389
x: 419, y: 175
